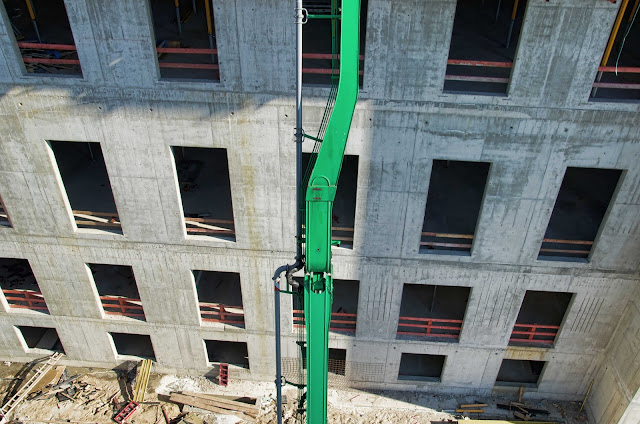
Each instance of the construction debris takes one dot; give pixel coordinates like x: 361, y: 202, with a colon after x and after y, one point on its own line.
x: 217, y: 404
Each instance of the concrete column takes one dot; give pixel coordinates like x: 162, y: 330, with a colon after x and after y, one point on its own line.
x: 9, y: 56
x: 407, y: 46
x: 379, y: 302
x: 560, y: 48
x: 124, y: 42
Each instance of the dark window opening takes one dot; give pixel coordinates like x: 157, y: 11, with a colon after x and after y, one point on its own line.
x: 220, y: 297
x: 205, y: 189
x: 317, y: 42
x: 41, y: 338
x: 344, y: 205
x: 232, y: 353
x: 539, y: 319
x: 618, y: 76
x: 133, y: 345
x: 519, y: 372
x: 344, y: 308
x: 416, y: 366
x: 5, y: 221
x: 86, y: 182
x: 186, y: 47
x: 454, y: 200
x: 117, y: 289
x: 19, y: 285
x: 435, y: 312
x: 337, y: 361
x: 581, y: 205
x: 44, y: 36
x: 483, y: 45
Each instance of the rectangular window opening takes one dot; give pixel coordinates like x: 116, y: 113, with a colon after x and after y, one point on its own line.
x: 117, y: 289
x: 138, y: 345
x: 220, y: 297
x: 618, y: 77
x: 539, y: 319
x: 43, y: 33
x: 422, y: 367
x: 344, y: 309
x: 454, y: 200
x: 517, y: 372
x: 232, y: 353
x: 86, y: 182
x: 483, y: 45
x: 205, y: 190
x: 317, y: 42
x: 19, y: 285
x: 337, y: 361
x: 432, y: 312
x: 186, y: 48
x: 580, y: 207
x: 344, y: 205
x: 44, y: 338
x: 5, y: 221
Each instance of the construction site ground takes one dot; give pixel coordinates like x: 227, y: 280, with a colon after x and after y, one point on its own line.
x: 101, y: 394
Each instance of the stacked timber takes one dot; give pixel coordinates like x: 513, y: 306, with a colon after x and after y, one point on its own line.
x: 217, y: 404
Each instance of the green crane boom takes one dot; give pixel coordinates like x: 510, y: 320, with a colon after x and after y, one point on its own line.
x: 320, y: 193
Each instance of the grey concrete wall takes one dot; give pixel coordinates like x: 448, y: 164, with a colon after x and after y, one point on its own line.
x: 402, y: 123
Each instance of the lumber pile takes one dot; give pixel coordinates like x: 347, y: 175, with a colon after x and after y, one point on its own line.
x: 217, y: 404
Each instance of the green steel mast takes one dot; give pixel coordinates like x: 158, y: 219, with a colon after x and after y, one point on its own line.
x: 320, y: 194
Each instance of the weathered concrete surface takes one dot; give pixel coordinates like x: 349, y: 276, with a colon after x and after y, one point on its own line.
x: 402, y: 123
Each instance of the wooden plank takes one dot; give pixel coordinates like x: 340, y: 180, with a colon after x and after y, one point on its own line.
x: 51, y: 377
x: 474, y: 405
x: 225, y: 403
x: 479, y: 411
x: 204, y: 404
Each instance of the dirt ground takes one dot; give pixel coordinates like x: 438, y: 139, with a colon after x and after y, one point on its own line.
x: 101, y: 394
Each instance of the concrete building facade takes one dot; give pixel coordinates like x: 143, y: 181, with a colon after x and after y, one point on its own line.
x: 543, y: 125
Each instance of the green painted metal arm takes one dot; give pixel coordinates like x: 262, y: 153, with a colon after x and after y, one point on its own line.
x: 318, y: 287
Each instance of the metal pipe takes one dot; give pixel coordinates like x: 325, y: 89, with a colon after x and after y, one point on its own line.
x: 612, y: 39
x: 33, y: 19
x: 210, y: 28
x: 513, y: 19
x: 276, y: 308
x: 177, y: 3
x: 498, y: 10
x: 193, y: 4
x: 299, y: 132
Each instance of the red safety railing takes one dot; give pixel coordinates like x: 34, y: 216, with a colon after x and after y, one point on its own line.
x: 559, y: 247
x: 478, y: 71
x: 340, y: 321
x: 164, y: 63
x: 208, y: 226
x: 528, y: 333
x: 217, y: 312
x: 430, y: 327
x: 123, y: 306
x: 446, y: 241
x: 89, y: 219
x: 29, y: 54
x: 606, y: 71
x: 325, y: 70
x: 25, y: 299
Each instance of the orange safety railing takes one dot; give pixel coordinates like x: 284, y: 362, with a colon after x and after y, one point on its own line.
x: 484, y: 67
x: 606, y: 70
x: 431, y: 327
x: 182, y: 65
x: 340, y: 321
x: 25, y: 299
x: 528, y: 333
x: 28, y: 55
x: 325, y: 70
x: 206, y: 226
x: 117, y: 305
x: 561, y: 247
x: 89, y: 219
x: 217, y: 312
x: 344, y: 234
x: 433, y: 240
